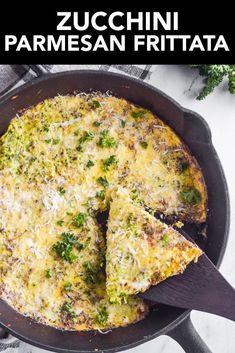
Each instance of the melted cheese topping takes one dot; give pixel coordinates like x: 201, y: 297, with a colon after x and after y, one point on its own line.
x: 61, y: 160
x: 141, y: 250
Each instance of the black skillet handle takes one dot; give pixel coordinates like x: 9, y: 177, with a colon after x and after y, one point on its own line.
x: 188, y: 338
x: 3, y: 333
x: 38, y: 70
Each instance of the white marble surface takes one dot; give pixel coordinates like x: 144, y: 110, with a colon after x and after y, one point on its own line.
x: 219, y: 111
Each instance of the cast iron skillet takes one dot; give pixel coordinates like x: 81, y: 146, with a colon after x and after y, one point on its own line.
x: 196, y: 133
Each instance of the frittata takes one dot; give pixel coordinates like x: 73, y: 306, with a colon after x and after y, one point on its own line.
x: 59, y: 163
x: 141, y: 250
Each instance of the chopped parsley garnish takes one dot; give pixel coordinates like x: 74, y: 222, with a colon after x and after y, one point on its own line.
x: 67, y: 286
x: 61, y: 190
x: 77, y: 132
x: 183, y: 166
x: 103, y: 181
x: 64, y: 248
x: 130, y: 220
x: 135, y: 232
x: 69, y: 238
x: 90, y: 273
x: 55, y: 141
x: 165, y: 239
x: 97, y: 123
x: 82, y: 246
x: 144, y: 144
x: 106, y: 141
x: 101, y: 194
x: 134, y: 194
x: 88, y: 203
x: 48, y: 273
x: 67, y: 308
x: 108, y: 162
x: 45, y: 128
x: 60, y: 222
x: 95, y: 104
x: 123, y: 123
x: 87, y: 136
x: 69, y: 213
x: 191, y: 196
x: 80, y: 220
x: 101, y: 317
x: 131, y: 223
x: 138, y: 114
x: 90, y: 164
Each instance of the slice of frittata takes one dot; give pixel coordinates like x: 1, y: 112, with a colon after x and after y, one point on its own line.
x: 141, y: 250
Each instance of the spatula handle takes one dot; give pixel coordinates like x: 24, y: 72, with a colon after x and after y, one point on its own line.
x: 201, y: 287
x: 188, y: 338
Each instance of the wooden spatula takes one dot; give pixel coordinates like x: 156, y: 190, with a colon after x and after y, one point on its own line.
x: 200, y: 287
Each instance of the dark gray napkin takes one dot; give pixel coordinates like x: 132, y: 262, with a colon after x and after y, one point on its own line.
x: 15, y: 75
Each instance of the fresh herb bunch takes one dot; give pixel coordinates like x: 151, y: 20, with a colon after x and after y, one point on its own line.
x: 214, y: 75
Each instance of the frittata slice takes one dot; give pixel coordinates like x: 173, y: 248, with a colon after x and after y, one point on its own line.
x: 141, y: 250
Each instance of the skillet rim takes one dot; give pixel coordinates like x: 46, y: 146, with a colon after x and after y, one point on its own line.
x: 185, y: 313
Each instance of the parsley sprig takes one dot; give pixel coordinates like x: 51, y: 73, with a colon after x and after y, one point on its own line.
x: 80, y: 220
x: 86, y: 137
x: 67, y: 308
x: 191, y: 196
x: 106, y: 141
x: 107, y: 163
x: 103, y: 181
x: 64, y: 248
x: 90, y: 273
x: 101, y: 317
